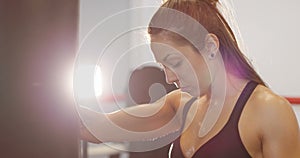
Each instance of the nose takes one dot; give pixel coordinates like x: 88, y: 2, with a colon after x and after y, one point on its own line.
x: 171, y: 76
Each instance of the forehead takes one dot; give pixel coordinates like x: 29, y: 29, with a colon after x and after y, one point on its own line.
x: 163, y: 47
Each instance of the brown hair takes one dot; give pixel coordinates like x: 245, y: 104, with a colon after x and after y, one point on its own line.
x: 206, y: 13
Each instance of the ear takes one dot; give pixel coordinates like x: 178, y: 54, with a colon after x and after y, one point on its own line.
x: 211, y: 45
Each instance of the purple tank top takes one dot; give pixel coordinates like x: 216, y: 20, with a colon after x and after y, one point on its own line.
x: 227, y: 143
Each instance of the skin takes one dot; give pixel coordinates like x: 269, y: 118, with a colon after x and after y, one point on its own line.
x: 274, y: 131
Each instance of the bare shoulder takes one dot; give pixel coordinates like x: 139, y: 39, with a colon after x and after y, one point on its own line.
x: 277, y: 123
x: 266, y: 102
x: 271, y: 107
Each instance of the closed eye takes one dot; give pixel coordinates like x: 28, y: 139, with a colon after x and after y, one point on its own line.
x: 175, y: 64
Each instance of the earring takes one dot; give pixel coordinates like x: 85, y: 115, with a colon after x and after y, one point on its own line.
x: 211, y: 56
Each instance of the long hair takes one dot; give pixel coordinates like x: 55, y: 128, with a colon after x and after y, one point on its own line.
x: 207, y: 14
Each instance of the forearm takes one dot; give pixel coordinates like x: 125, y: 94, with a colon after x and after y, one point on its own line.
x: 99, y: 128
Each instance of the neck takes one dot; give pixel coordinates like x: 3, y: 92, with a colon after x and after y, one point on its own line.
x: 235, y: 85
x: 228, y: 88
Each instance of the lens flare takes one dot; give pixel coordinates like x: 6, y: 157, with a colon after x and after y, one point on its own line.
x: 98, y: 81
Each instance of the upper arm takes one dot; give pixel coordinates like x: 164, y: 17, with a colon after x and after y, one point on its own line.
x: 141, y: 122
x: 147, y: 117
x: 280, y: 130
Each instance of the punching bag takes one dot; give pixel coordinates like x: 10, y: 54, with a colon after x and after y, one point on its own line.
x: 38, y: 43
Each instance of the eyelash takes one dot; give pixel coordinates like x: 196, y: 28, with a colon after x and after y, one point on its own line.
x: 177, y: 64
x: 162, y: 66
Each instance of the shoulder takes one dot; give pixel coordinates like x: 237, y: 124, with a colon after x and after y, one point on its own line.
x: 274, y: 114
x: 276, y: 122
x: 266, y: 102
x: 264, y: 97
x: 270, y: 106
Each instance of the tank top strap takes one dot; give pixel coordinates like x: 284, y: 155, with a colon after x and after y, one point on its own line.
x: 241, y: 102
x: 186, y: 108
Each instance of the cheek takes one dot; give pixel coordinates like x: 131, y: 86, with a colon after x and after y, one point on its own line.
x: 187, y: 74
x: 205, y: 80
x: 203, y: 74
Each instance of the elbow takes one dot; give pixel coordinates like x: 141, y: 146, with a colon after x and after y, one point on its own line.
x: 87, y: 136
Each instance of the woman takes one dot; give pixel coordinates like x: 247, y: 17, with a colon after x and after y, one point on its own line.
x: 251, y: 122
